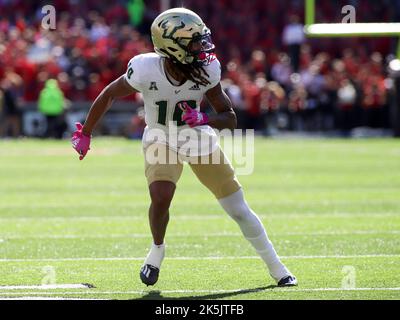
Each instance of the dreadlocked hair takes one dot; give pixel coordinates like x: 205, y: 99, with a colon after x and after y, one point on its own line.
x: 196, y: 74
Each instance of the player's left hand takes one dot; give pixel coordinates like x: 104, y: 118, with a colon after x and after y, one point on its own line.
x: 193, y: 117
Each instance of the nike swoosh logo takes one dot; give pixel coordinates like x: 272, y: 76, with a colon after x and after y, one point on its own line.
x: 177, y: 91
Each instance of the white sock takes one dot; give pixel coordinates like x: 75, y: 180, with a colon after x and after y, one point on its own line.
x: 156, y: 255
x: 253, y: 230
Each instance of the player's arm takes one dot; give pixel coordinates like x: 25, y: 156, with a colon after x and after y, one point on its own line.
x: 82, y: 136
x: 225, y: 117
x: 116, y: 89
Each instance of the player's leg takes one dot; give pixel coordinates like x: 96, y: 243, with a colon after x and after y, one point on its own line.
x: 162, y: 179
x: 253, y: 230
x: 161, y: 194
x: 220, y: 179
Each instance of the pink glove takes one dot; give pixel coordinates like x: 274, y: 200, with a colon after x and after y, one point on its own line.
x: 80, y: 141
x: 193, y: 117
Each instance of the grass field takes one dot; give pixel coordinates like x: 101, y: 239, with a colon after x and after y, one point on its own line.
x: 326, y: 204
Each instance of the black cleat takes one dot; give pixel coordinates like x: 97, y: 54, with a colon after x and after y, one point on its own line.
x: 149, y: 274
x: 289, y: 281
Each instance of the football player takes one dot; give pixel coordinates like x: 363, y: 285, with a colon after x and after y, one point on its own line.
x: 173, y: 80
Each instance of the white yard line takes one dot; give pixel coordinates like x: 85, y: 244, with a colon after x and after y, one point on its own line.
x: 143, y: 217
x: 206, y: 258
x: 45, y: 287
x: 243, y: 290
x: 43, y: 298
x: 206, y: 235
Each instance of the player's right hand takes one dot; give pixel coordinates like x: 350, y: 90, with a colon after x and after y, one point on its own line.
x: 80, y: 141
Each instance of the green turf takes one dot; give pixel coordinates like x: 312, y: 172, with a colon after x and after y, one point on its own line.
x: 326, y: 204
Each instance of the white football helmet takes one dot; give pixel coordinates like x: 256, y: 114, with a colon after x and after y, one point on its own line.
x: 180, y: 34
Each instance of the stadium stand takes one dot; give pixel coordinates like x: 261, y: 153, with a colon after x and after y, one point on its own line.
x: 341, y: 84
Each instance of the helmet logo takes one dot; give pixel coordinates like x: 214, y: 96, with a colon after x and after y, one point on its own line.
x: 173, y: 31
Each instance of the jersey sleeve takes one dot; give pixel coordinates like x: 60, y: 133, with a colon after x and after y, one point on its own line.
x: 214, y: 72
x: 132, y: 74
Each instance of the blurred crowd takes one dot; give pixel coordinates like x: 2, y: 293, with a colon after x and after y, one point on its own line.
x: 326, y: 93
x: 276, y: 77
